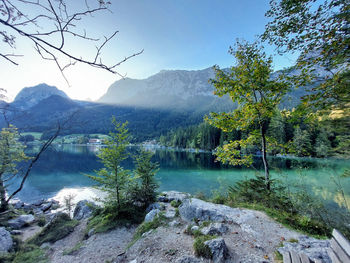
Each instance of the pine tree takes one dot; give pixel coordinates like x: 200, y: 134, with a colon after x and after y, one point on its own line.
x: 113, y: 178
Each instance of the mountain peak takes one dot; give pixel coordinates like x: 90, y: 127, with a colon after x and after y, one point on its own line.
x: 30, y: 96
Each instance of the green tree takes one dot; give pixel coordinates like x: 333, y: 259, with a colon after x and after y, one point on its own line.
x: 113, y: 178
x: 320, y: 31
x: 302, y: 142
x: 11, y: 154
x: 145, y: 171
x: 249, y: 83
x: 323, y: 145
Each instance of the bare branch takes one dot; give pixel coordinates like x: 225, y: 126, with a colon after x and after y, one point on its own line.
x: 64, y: 24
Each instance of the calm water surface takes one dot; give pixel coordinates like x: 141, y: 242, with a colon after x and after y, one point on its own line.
x: 61, y: 171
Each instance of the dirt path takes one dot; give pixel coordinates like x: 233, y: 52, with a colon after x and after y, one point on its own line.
x: 99, y: 248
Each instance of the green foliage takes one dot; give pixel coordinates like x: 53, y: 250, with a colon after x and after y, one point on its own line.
x: 61, y: 226
x: 30, y: 254
x: 11, y: 154
x: 144, y: 188
x: 253, y: 191
x: 112, y: 216
x: 175, y: 203
x: 113, y: 179
x: 200, y: 249
x: 249, y: 84
x: 147, y: 226
x: 41, y: 220
x: 317, y: 29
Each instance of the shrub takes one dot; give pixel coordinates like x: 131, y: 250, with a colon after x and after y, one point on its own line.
x: 61, y: 226
x: 30, y: 254
x: 200, y: 249
x: 175, y: 203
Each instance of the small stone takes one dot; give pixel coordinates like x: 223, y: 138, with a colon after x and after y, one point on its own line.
x: 147, y: 233
x: 91, y: 232
x: 16, y: 232
x: 194, y: 228
x: 45, y: 245
x: 133, y: 261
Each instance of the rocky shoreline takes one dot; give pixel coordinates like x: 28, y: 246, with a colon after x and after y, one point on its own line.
x: 227, y: 234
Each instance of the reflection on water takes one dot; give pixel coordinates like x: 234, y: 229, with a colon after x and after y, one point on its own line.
x: 63, y: 167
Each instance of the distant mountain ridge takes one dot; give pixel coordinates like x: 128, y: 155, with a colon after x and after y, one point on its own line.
x: 152, y: 106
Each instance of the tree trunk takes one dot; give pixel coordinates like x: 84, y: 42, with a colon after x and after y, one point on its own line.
x: 117, y: 187
x: 4, y: 203
x: 266, y: 165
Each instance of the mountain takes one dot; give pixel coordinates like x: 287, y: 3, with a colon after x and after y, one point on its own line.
x: 169, y: 89
x: 30, y: 96
x: 182, y: 90
x: 152, y: 106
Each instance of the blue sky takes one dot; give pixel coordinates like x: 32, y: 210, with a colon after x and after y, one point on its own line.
x: 175, y: 34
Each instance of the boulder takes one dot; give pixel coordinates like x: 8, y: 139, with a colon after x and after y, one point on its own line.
x: 83, y: 209
x: 214, y: 229
x: 6, y: 242
x: 312, y: 247
x: 218, y: 249
x: 187, y: 259
x: 172, y: 195
x: 151, y: 215
x: 21, y: 221
x: 194, y: 208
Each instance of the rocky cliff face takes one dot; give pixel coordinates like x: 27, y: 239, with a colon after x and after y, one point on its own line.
x: 30, y: 96
x: 167, y: 89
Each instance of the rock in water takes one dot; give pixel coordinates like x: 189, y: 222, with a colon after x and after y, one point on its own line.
x: 218, y: 249
x: 6, y: 241
x: 83, y: 209
x: 21, y: 221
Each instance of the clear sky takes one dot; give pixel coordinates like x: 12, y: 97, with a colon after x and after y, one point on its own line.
x: 175, y: 34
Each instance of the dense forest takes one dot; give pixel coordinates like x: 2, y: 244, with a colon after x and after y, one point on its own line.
x: 292, y: 135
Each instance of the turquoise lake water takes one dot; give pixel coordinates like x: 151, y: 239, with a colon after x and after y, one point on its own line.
x: 61, y: 171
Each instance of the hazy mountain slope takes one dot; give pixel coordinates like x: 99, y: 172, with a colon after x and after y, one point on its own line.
x: 180, y: 90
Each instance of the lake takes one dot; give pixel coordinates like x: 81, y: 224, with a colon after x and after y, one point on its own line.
x: 60, y: 171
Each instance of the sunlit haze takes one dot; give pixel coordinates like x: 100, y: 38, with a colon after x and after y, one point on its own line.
x: 182, y: 34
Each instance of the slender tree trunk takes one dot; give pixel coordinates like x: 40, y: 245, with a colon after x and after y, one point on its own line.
x: 4, y: 203
x: 117, y: 188
x: 266, y: 165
